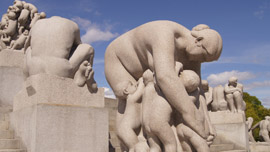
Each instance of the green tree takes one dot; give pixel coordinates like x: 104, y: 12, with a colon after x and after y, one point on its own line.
x: 256, y: 110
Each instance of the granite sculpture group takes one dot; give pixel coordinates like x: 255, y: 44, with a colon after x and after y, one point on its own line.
x: 227, y: 98
x: 151, y: 51
x: 16, y: 24
x: 154, y: 70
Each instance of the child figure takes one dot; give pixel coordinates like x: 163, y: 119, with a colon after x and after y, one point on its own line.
x: 158, y: 119
x: 129, y: 127
x: 189, y: 139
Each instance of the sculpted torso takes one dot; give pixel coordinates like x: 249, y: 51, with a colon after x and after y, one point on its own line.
x: 56, y: 46
x: 140, y: 43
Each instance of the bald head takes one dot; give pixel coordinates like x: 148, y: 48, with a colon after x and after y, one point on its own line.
x: 211, y: 42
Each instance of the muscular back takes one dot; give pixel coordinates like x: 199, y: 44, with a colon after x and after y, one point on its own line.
x: 50, y: 40
x: 135, y: 48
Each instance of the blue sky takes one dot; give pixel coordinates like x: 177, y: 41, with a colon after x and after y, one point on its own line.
x: 243, y: 24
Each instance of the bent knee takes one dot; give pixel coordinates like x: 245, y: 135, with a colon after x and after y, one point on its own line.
x: 229, y: 95
x: 236, y: 93
x: 89, y: 50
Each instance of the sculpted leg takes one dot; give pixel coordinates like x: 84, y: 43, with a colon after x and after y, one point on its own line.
x: 130, y: 125
x: 198, y: 143
x: 154, y: 143
x: 238, y: 100
x: 185, y: 144
x: 229, y: 98
x: 165, y: 133
x: 84, y: 52
x: 82, y: 62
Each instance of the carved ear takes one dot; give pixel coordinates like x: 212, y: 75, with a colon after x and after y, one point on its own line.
x: 125, y: 91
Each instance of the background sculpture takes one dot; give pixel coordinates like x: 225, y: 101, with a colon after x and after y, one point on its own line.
x: 219, y: 103
x: 249, y: 125
x: 16, y: 24
x: 234, y: 95
x: 208, y: 93
x: 264, y: 129
x: 157, y: 46
x: 56, y: 48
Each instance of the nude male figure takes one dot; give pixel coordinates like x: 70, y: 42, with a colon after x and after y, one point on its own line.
x: 234, y: 95
x: 55, y: 48
x: 264, y: 128
x: 219, y: 103
x: 249, y: 125
x: 158, y: 115
x: 20, y: 42
x: 208, y: 93
x: 130, y: 126
x: 157, y: 46
x: 189, y: 139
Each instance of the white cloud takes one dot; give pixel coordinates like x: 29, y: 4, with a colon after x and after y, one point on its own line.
x: 266, y: 102
x: 93, y: 31
x: 108, y: 93
x: 95, y: 34
x: 254, y: 85
x: 222, y: 78
x: 259, y: 54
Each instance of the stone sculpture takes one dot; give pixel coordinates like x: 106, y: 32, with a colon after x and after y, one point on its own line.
x: 234, y: 95
x: 249, y: 125
x: 208, y: 93
x: 188, y: 138
x: 16, y: 23
x: 56, y: 48
x: 264, y: 128
x: 157, y: 46
x: 157, y: 115
x: 129, y: 128
x: 219, y: 103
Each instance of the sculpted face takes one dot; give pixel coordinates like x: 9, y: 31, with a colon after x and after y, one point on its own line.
x: 131, y: 88
x: 206, y: 47
x: 205, y: 85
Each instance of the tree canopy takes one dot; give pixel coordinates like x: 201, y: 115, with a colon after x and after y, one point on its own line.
x: 256, y: 110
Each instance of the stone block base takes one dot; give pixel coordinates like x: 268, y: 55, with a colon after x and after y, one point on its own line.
x: 58, y: 128
x: 259, y: 147
x: 231, y: 131
x: 11, y: 76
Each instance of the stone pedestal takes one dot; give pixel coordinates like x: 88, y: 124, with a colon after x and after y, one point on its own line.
x: 53, y: 114
x: 11, y: 76
x: 232, y: 133
x: 259, y: 147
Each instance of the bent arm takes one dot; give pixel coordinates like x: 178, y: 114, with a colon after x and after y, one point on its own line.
x: 229, y: 90
x: 137, y: 95
x: 171, y: 85
x: 255, y: 126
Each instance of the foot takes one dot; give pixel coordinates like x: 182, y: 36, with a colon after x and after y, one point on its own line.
x: 82, y: 74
